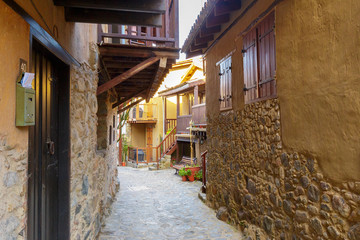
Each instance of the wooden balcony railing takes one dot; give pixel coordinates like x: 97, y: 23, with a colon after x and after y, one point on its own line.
x: 166, y: 145
x: 143, y: 112
x: 183, y: 122
x: 199, y: 114
x: 166, y: 36
x: 169, y: 124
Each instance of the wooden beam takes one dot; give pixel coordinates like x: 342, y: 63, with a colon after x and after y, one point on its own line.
x: 201, y: 40
x: 204, y: 31
x: 213, y: 20
x: 119, y: 79
x: 128, y: 98
x: 194, y: 54
x: 194, y: 48
x: 226, y: 7
x: 146, y: 6
x: 130, y: 106
x: 112, y: 17
x: 158, y: 75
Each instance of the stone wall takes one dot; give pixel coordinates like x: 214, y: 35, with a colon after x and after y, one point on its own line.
x: 13, y: 190
x: 93, y: 173
x: 283, y: 192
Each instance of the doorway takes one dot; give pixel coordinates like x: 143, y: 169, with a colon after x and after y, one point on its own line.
x: 49, y: 149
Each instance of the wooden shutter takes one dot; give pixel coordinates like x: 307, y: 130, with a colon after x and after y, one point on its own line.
x: 267, y: 60
x: 250, y: 66
x: 225, y: 84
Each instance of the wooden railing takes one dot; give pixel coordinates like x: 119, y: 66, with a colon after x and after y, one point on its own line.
x: 166, y: 145
x: 170, y: 124
x: 144, y: 112
x: 183, y: 122
x: 203, y: 158
x: 166, y: 36
x: 199, y: 114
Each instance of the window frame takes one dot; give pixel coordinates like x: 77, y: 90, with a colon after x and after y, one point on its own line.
x: 226, y: 87
x: 258, y: 61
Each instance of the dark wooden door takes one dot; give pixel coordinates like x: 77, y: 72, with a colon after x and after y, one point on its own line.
x: 43, y: 206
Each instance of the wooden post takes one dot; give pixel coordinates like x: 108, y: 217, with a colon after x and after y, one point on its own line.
x: 197, y: 151
x: 196, y: 95
x: 177, y: 105
x: 137, y: 156
x: 165, y: 113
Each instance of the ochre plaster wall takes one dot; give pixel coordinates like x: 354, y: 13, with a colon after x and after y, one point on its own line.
x: 91, y: 190
x: 318, y: 52
x: 138, y: 135
x: 171, y: 110
x: 14, y: 44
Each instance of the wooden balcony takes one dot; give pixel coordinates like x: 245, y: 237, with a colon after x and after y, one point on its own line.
x: 183, y: 122
x: 199, y: 114
x: 135, y: 58
x: 143, y: 113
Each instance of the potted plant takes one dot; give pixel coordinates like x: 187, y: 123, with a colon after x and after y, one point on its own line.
x: 198, y: 175
x: 191, y: 175
x: 183, y: 174
x: 193, y: 168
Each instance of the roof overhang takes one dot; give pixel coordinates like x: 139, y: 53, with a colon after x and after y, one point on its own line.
x: 213, y: 20
x: 182, y: 88
x: 131, y: 12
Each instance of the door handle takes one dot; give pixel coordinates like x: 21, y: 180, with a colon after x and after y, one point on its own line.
x: 51, y: 147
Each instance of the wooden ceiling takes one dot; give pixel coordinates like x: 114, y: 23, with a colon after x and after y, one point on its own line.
x: 134, y: 71
x: 209, y: 25
x: 131, y: 12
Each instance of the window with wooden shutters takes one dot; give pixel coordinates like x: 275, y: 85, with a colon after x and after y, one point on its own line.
x: 259, y: 61
x: 225, y: 84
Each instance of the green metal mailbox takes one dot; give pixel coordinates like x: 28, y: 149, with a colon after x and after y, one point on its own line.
x: 25, y: 106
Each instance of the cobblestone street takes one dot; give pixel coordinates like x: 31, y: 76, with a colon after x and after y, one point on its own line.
x: 158, y: 205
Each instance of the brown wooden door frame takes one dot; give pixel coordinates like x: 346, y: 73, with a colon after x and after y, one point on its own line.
x: 36, y: 153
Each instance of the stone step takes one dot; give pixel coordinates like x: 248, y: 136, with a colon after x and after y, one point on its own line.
x: 202, y: 196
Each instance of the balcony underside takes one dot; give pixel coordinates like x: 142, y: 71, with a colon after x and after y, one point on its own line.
x: 134, y: 71
x: 140, y: 12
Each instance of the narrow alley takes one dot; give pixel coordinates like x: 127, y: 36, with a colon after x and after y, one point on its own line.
x: 158, y: 205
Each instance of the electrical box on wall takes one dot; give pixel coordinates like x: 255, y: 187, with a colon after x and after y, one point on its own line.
x: 25, y: 106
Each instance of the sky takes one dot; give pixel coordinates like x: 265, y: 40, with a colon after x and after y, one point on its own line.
x: 188, y: 12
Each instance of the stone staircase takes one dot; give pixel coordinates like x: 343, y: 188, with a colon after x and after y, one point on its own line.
x: 163, y: 164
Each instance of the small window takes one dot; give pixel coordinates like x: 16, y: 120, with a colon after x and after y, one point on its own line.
x: 260, y: 61
x: 110, y: 133
x: 225, y: 84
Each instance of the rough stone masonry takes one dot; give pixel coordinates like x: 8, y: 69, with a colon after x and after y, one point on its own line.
x: 283, y: 192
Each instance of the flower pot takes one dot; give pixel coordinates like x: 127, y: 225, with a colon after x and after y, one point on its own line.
x: 183, y: 178
x: 191, y: 178
x: 123, y: 164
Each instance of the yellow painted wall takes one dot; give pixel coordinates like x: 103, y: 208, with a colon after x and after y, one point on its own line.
x: 14, y: 44
x: 318, y: 80
x: 138, y: 135
x: 171, y: 110
x: 318, y: 53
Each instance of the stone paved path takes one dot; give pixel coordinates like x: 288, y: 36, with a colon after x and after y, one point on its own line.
x: 158, y: 205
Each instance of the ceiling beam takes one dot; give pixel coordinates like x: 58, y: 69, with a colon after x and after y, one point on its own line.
x: 128, y: 98
x: 130, y: 106
x: 145, y: 6
x: 158, y: 75
x: 198, y: 47
x: 131, y: 72
x: 112, y: 17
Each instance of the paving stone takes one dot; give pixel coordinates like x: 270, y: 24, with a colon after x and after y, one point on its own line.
x: 158, y: 205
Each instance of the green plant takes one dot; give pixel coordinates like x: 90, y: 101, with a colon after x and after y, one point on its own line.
x: 169, y: 131
x: 184, y: 172
x: 198, y: 175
